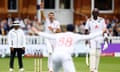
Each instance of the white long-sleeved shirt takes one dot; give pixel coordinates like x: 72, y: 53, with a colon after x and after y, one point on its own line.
x: 95, y: 26
x: 16, y: 38
x: 65, y: 41
x: 55, y: 25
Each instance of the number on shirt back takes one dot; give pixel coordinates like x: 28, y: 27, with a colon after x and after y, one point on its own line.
x: 65, y: 41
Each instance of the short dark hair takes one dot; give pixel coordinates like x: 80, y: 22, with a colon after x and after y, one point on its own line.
x: 95, y: 11
x: 70, y: 27
x: 51, y: 12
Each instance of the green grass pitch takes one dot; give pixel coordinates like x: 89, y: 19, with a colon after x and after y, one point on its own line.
x: 107, y: 64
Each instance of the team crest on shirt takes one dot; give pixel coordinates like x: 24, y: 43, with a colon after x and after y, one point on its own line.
x: 99, y: 21
x: 96, y: 26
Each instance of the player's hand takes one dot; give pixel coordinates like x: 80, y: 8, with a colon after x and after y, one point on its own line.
x: 23, y: 50
x: 11, y: 48
x: 104, y: 31
x: 105, y: 46
x: 58, y: 30
x: 50, y: 28
x: 42, y: 5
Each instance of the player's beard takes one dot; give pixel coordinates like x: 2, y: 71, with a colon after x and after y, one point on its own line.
x: 51, y: 19
x: 95, y: 17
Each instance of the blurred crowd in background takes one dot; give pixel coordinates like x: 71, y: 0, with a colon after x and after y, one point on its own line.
x: 28, y: 24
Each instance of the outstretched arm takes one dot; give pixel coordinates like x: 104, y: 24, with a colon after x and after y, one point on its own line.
x: 90, y: 36
x: 43, y: 34
x: 47, y: 35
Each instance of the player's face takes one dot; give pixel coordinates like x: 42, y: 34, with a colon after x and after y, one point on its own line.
x: 16, y: 27
x: 95, y: 14
x: 51, y: 16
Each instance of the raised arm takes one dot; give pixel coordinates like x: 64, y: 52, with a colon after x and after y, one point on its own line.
x: 43, y: 18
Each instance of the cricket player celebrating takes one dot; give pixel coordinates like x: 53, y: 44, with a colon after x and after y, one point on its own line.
x: 51, y: 26
x: 93, y: 25
x: 64, y: 47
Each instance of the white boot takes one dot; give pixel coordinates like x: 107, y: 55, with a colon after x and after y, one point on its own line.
x: 50, y: 70
x: 21, y: 70
x: 95, y: 70
x: 11, y: 70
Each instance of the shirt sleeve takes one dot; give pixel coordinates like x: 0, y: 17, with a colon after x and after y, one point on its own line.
x: 58, y: 25
x: 87, y: 24
x: 24, y: 39
x: 103, y: 22
x: 10, y: 42
x: 47, y: 35
x: 87, y: 37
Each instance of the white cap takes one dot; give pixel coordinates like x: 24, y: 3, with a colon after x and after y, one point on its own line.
x: 16, y: 23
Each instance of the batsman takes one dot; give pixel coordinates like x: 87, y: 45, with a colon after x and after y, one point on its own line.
x: 93, y: 25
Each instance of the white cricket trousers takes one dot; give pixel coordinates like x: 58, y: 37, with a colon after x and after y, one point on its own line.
x: 50, y: 51
x: 95, y: 52
x: 62, y: 61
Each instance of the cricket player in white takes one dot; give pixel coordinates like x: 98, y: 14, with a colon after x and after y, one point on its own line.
x: 93, y: 25
x: 64, y: 47
x: 51, y: 26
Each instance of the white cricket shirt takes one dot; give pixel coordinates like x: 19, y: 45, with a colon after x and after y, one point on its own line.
x: 65, y: 41
x: 95, y: 25
x: 16, y: 38
x: 55, y: 25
